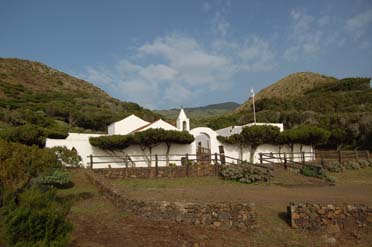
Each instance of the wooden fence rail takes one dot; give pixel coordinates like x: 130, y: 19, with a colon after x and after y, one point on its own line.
x: 215, y: 159
x: 342, y: 156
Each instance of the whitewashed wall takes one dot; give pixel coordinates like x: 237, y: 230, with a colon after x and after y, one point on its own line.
x: 81, y: 143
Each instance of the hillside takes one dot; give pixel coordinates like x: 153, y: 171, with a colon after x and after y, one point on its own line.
x: 31, y: 92
x: 290, y: 87
x: 342, y: 106
x: 203, y: 111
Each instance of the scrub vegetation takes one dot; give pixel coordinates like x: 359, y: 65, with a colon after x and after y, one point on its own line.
x: 32, y: 214
x: 33, y: 93
x: 342, y: 107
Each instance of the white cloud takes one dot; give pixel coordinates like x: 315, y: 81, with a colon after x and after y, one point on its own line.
x: 181, y: 70
x: 220, y: 25
x: 308, y: 35
x: 359, y: 24
x: 257, y: 55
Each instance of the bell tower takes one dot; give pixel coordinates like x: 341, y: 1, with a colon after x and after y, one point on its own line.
x: 183, y: 123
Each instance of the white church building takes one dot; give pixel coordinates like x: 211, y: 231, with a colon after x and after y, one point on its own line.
x: 205, y: 138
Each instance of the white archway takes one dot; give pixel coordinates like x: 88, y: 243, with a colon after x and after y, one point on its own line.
x: 207, y: 137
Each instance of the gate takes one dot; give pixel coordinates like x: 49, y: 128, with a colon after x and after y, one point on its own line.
x: 203, y: 155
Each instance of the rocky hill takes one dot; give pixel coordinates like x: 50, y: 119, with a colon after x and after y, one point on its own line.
x: 31, y: 92
x: 290, y: 87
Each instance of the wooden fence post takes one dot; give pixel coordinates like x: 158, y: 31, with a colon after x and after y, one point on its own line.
x: 340, y: 157
x: 303, y: 157
x: 285, y: 161
x: 321, y: 157
x: 187, y: 165
x: 222, y: 155
x: 261, y: 161
x: 215, y: 164
x: 356, y: 155
x: 367, y: 153
x: 126, y: 166
x: 91, y: 161
x: 156, y: 166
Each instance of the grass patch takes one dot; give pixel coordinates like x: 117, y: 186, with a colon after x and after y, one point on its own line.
x: 165, y: 183
x: 92, y: 207
x: 350, y: 177
x: 76, y: 190
x: 80, y: 185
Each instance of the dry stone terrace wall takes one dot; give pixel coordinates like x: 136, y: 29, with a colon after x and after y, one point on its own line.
x: 241, y: 216
x: 162, y: 172
x: 330, y: 218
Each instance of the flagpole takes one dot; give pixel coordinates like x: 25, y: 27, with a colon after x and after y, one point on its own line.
x: 254, y: 107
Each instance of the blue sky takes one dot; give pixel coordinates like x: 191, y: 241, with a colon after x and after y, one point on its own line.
x: 172, y: 53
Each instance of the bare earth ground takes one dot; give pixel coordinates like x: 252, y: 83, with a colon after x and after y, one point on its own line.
x: 98, y: 223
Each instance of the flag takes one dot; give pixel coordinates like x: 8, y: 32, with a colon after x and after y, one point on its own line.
x: 252, y: 92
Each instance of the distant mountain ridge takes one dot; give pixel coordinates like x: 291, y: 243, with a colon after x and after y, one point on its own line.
x: 202, y: 111
x: 31, y: 92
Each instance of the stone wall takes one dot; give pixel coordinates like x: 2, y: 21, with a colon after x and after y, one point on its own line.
x: 241, y: 216
x: 330, y: 218
x: 198, y: 170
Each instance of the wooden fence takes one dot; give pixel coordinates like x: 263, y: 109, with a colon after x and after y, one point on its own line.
x: 298, y: 159
x: 294, y: 160
x: 342, y: 156
x: 186, y: 160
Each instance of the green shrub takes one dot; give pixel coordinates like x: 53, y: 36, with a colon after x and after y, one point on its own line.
x: 353, y: 165
x: 20, y: 163
x: 363, y: 163
x: 243, y: 173
x: 309, y: 171
x: 172, y: 165
x: 67, y: 157
x: 35, y: 219
x: 55, y: 177
x: 27, y: 134
x: 57, y: 134
x: 312, y: 171
x: 333, y: 166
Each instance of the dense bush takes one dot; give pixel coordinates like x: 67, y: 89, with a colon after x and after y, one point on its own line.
x: 351, y: 164
x: 333, y: 166
x: 27, y: 134
x: 112, y: 142
x: 19, y: 163
x: 364, y: 163
x: 67, y: 157
x: 244, y: 173
x: 311, y: 171
x: 57, y: 133
x: 35, y: 219
x: 54, y: 177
